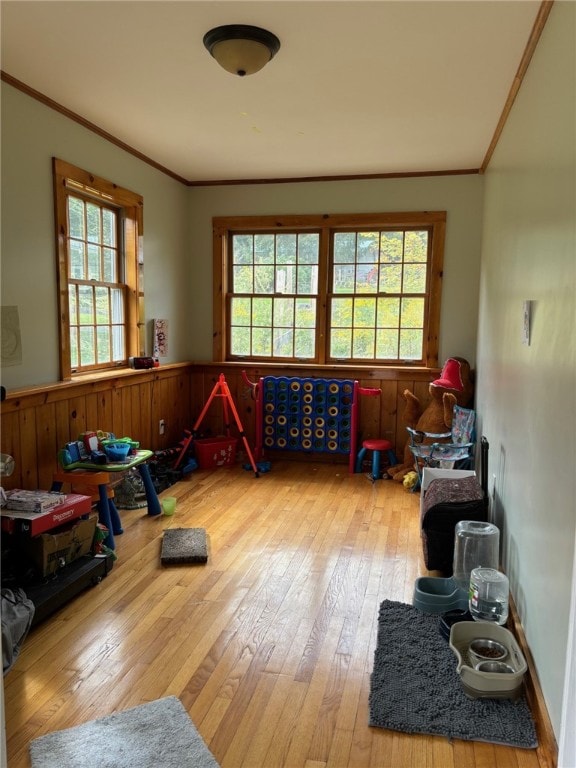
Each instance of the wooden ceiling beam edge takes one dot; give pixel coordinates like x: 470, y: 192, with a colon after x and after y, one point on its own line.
x: 536, y: 32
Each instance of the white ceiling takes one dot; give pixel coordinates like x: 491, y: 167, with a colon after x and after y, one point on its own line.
x: 357, y: 87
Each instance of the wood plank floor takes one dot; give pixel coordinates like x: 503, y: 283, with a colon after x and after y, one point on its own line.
x: 269, y: 646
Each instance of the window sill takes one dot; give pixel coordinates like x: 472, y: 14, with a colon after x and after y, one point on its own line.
x: 93, y: 378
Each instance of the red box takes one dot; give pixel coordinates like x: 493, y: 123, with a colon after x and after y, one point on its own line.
x: 214, y: 452
x: 34, y: 523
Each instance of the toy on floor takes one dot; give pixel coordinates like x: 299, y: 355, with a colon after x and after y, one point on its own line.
x: 454, y: 387
x: 410, y: 480
x: 261, y: 466
x: 99, y: 547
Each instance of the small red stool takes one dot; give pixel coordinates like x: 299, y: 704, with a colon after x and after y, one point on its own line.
x: 376, y: 446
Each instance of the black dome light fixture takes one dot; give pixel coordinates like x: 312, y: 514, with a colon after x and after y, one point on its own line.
x: 241, y: 49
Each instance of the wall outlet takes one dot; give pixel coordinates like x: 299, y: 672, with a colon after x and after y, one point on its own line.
x: 161, y: 427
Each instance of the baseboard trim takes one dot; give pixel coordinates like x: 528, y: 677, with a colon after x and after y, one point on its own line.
x: 547, y: 749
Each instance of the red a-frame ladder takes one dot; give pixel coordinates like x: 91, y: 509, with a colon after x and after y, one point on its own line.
x: 222, y: 390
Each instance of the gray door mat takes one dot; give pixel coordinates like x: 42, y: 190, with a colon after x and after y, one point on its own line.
x: 184, y: 545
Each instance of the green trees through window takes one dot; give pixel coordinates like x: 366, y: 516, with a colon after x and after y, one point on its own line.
x: 274, y: 295
x: 336, y: 289
x: 99, y: 257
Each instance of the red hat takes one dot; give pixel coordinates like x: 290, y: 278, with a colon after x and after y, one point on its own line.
x: 450, y: 378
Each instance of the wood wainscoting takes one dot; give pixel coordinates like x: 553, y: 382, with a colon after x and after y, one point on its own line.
x: 38, y: 421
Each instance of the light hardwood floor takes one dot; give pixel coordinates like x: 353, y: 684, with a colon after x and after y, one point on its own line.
x: 269, y: 646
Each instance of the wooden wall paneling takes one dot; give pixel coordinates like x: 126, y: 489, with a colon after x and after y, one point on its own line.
x: 117, y: 426
x: 155, y: 412
x: 185, y: 400
x: 76, y: 417
x: 46, y: 444
x: 213, y: 421
x: 196, y: 397
x: 247, y: 407
x: 104, y: 416
x: 38, y: 422
x: 167, y: 400
x: 134, y: 395
x: 370, y: 408
x: 174, y: 408
x: 27, y: 449
x: 162, y: 412
x: 62, y: 423
x: 127, y: 428
x: 142, y: 422
x: 10, y: 442
x: 234, y: 382
x: 92, y: 412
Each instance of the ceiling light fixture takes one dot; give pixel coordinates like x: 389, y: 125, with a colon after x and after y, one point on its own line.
x: 240, y: 48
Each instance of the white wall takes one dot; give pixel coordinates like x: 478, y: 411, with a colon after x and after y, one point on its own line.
x: 460, y: 196
x: 177, y: 234
x: 526, y: 395
x: 31, y: 135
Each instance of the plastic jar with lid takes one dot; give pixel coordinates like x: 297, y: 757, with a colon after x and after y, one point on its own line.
x: 476, y: 544
x: 488, y: 597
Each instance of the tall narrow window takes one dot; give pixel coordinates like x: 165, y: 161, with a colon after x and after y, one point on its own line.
x: 344, y: 289
x: 378, y: 294
x: 274, y: 295
x: 99, y: 226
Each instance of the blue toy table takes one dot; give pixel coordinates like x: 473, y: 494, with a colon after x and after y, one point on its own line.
x: 99, y: 474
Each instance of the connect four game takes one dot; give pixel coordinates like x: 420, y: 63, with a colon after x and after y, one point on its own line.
x: 311, y: 415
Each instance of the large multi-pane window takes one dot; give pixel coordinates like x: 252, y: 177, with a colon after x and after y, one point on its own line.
x: 359, y: 289
x: 99, y: 259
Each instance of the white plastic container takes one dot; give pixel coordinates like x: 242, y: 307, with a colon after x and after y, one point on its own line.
x: 489, y: 593
x: 476, y: 544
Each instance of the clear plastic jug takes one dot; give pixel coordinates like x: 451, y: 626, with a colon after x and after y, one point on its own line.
x: 475, y: 544
x: 489, y: 592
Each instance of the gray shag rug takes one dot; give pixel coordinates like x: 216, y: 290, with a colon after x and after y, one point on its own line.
x: 415, y: 687
x: 184, y: 545
x: 159, y: 733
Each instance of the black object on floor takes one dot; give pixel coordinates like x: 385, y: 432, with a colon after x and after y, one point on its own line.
x: 450, y: 618
x: 49, y: 596
x: 446, y: 502
x: 184, y: 545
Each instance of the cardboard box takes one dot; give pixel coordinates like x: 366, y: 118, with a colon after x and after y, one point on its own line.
x: 52, y: 551
x: 214, y: 452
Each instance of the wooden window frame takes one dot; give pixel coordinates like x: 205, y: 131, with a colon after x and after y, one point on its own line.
x: 327, y: 224
x: 70, y: 180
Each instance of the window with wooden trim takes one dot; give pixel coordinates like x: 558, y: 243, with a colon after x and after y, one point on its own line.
x: 99, y: 231
x: 343, y: 289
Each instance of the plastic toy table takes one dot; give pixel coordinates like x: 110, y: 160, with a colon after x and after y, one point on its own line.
x: 84, y: 472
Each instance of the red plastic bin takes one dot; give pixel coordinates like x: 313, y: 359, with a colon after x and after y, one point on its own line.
x: 214, y: 452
